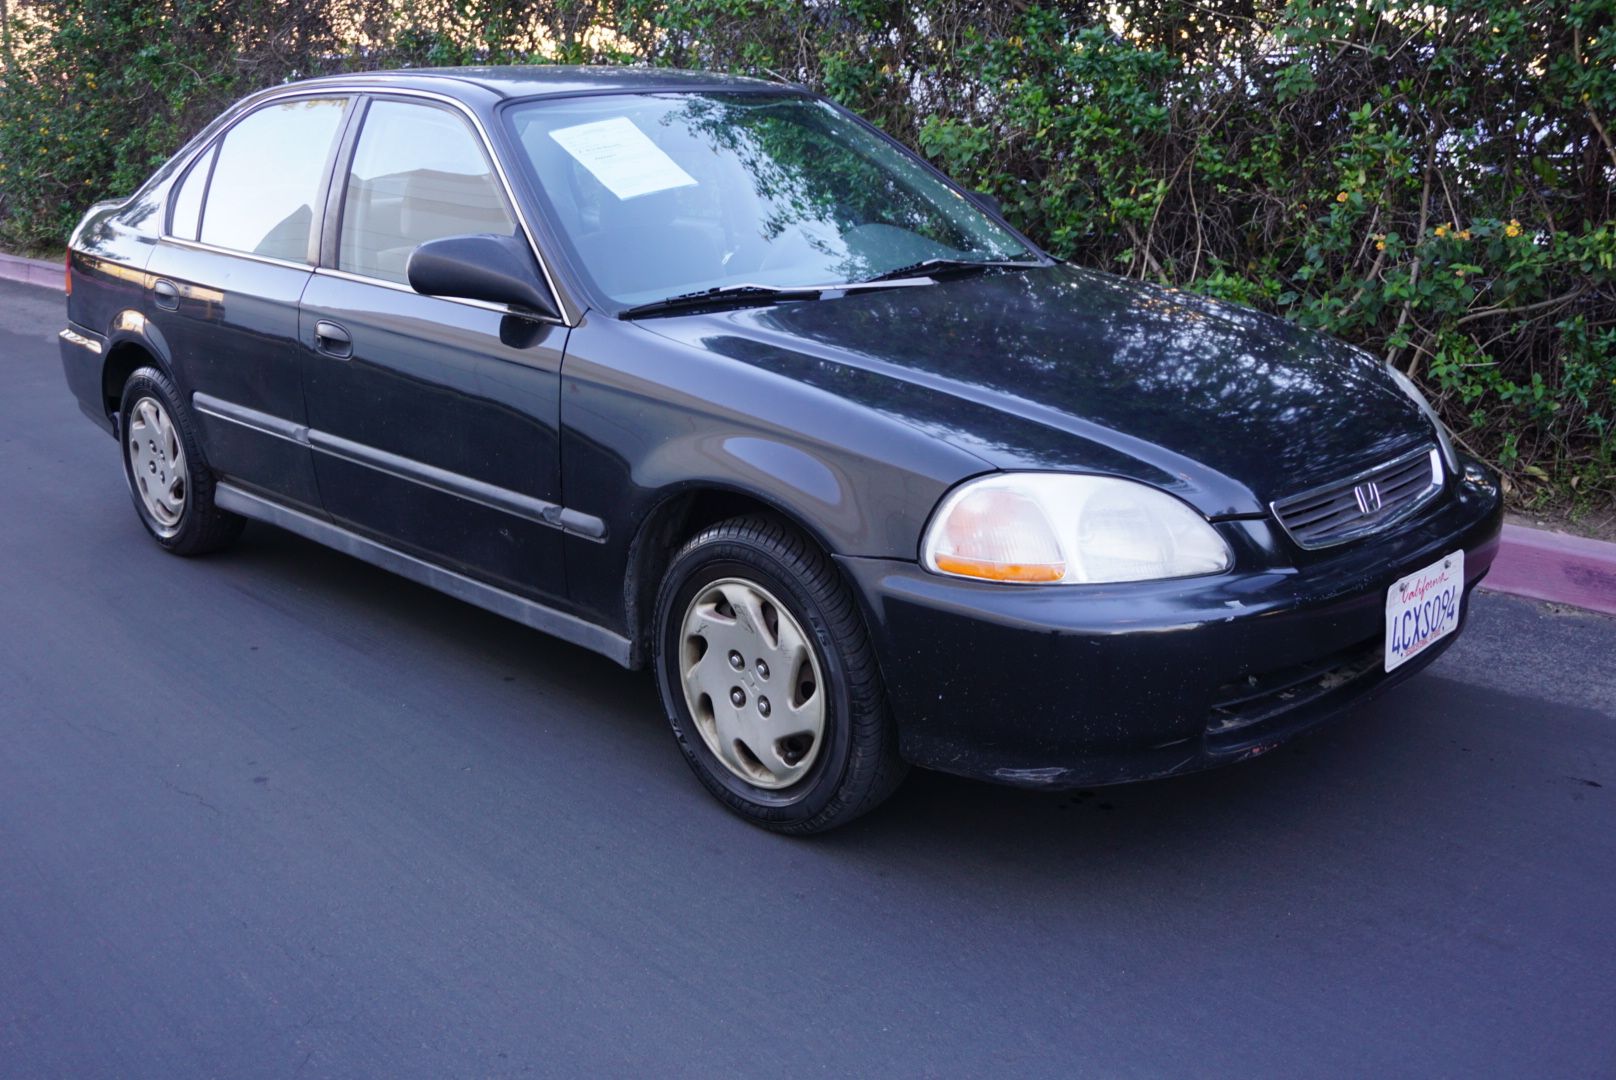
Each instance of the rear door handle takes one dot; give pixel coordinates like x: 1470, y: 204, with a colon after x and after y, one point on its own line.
x: 166, y: 294
x: 332, y: 340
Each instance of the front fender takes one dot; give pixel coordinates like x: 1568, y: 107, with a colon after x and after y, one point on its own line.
x: 646, y: 419
x: 817, y: 493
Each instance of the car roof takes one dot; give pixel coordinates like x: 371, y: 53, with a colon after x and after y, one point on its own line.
x: 537, y: 80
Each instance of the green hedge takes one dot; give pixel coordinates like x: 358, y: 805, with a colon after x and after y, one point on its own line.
x: 1433, y: 182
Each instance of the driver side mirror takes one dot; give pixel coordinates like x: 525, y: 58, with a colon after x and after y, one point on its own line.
x: 496, y: 269
x: 988, y: 202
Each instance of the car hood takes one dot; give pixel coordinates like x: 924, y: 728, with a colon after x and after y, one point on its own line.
x: 1057, y: 368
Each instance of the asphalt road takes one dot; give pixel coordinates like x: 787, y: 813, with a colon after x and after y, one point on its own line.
x: 276, y: 813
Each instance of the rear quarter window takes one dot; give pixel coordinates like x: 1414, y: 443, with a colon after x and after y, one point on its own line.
x: 187, y: 214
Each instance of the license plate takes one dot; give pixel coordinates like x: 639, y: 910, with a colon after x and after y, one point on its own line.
x: 1423, y: 608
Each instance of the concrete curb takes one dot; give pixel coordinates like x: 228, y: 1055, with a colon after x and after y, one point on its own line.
x: 1557, y: 567
x: 31, y: 271
x: 1534, y: 563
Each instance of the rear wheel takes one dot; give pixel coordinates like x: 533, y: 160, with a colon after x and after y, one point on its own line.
x: 167, y: 474
x: 769, y: 679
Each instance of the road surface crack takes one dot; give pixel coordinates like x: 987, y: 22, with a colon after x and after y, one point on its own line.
x: 190, y: 795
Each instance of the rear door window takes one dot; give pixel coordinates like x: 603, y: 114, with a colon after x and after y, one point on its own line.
x: 268, y: 176
x: 419, y: 173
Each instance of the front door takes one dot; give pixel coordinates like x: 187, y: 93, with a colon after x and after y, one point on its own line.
x: 433, y: 422
x: 224, y: 284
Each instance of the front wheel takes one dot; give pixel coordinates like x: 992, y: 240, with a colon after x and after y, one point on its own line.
x: 769, y: 679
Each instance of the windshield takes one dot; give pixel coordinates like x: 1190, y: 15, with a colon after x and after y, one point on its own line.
x: 664, y: 194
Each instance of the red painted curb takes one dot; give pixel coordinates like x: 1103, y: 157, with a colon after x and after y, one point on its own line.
x: 32, y: 271
x: 1557, y: 567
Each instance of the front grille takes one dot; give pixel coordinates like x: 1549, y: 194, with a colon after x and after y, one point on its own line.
x: 1366, y: 503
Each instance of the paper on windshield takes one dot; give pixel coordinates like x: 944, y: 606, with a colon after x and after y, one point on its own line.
x: 622, y: 157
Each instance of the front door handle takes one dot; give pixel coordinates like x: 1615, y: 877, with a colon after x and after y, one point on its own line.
x: 333, y: 340
x: 166, y: 294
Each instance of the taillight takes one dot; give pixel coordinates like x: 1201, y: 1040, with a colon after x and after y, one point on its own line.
x: 67, y: 275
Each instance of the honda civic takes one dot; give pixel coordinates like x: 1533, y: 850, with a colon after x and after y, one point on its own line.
x: 710, y: 376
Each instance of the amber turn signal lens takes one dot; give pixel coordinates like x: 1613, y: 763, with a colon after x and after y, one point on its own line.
x: 992, y: 571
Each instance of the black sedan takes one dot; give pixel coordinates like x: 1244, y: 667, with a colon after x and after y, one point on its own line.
x: 708, y: 375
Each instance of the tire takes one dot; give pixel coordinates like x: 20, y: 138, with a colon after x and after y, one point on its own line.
x: 793, y: 784
x: 160, y: 448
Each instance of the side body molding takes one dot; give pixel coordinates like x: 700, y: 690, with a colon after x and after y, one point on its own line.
x: 528, y: 612
x: 552, y: 514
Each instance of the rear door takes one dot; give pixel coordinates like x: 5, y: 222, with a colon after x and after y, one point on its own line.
x: 225, y: 280
x: 433, y: 421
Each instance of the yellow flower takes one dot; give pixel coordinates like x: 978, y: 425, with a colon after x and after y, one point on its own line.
x: 1513, y: 228
x: 1465, y: 235
x: 1441, y: 231
x: 1458, y: 273
x: 1341, y: 197
x: 1380, y: 245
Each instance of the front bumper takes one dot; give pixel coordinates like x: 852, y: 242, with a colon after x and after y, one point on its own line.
x: 1064, y: 686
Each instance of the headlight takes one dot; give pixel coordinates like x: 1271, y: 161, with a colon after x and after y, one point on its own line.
x: 1046, y: 528
x: 1443, y: 439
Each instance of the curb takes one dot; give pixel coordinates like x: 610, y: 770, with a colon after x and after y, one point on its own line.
x: 1556, y: 567
x: 1533, y: 563
x: 31, y: 271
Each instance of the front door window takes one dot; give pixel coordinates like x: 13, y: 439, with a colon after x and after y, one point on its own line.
x: 419, y: 173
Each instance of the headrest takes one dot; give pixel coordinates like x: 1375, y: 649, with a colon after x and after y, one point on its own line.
x: 438, y: 204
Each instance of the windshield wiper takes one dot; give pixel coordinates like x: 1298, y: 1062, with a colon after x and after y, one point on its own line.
x: 747, y: 295
x: 931, y: 267
x: 724, y: 295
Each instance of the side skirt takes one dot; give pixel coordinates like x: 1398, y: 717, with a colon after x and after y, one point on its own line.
x: 527, y: 612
